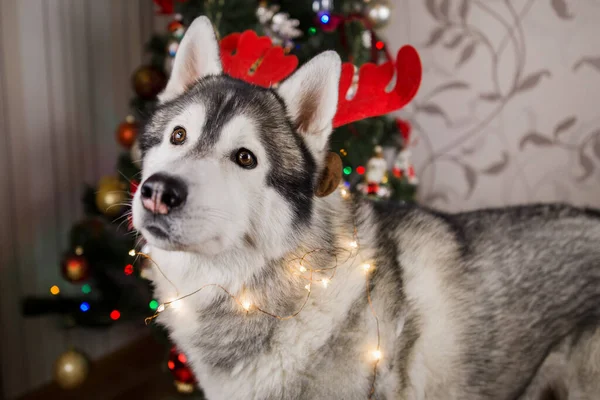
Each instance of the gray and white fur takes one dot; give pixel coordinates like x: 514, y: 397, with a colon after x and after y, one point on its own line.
x: 493, y: 304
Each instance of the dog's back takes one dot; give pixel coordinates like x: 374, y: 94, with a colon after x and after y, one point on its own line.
x: 524, y: 284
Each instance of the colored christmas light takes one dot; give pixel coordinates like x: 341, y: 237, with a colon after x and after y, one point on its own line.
x: 86, y: 289
x: 347, y: 170
x: 153, y: 305
x: 128, y: 270
x: 55, y: 290
x: 85, y: 306
x: 115, y: 315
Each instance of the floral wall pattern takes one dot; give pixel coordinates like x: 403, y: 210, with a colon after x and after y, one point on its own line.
x: 509, y: 109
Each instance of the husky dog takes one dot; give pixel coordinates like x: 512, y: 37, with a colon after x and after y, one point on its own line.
x: 493, y: 304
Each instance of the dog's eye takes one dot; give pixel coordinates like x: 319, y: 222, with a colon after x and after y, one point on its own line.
x: 178, y: 135
x: 245, y: 159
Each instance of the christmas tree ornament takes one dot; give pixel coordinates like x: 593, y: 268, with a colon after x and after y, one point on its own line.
x: 185, y: 381
x: 322, y: 5
x: 148, y: 81
x: 405, y: 129
x: 71, y: 369
x: 376, y: 176
x: 176, y: 30
x: 164, y: 7
x: 111, y: 196
x: 403, y: 168
x: 278, y: 25
x: 176, y: 27
x: 75, y: 268
x: 172, y: 47
x: 127, y: 132
x: 378, y: 13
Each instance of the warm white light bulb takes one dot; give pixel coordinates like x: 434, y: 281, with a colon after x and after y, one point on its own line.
x: 325, y: 282
x: 344, y: 193
x: 160, y: 308
x: 353, y: 244
x: 376, y: 355
x: 366, y: 267
x: 307, y: 287
x: 246, y: 304
x: 302, y: 268
x: 132, y: 252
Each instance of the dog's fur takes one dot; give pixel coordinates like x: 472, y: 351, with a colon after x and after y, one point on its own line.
x: 493, y: 304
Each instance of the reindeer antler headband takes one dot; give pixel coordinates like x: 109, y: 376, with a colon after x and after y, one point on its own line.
x: 254, y: 59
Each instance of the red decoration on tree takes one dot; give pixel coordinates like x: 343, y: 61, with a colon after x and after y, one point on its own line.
x: 254, y: 59
x: 128, y: 270
x: 127, y: 132
x: 75, y: 268
x: 185, y: 381
x: 405, y: 129
x: 166, y: 7
x: 333, y: 21
x: 371, y: 98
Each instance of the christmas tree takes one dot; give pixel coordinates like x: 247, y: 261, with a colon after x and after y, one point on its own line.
x: 107, y: 259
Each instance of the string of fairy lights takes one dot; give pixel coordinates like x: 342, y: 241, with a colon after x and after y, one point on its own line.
x: 300, y: 267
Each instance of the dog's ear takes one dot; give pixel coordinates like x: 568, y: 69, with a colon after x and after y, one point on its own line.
x: 311, y: 96
x: 198, y: 55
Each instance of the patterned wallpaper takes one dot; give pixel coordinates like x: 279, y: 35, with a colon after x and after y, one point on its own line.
x: 509, y: 109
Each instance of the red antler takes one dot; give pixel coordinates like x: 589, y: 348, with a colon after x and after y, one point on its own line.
x: 371, y: 98
x: 254, y: 59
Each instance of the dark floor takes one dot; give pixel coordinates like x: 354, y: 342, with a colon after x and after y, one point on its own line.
x: 134, y: 372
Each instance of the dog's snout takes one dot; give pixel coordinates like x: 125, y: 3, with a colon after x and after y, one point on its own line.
x: 162, y: 193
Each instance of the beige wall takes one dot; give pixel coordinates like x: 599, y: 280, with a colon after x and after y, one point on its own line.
x: 508, y: 110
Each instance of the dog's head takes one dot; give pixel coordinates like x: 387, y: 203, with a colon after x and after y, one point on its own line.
x: 228, y: 164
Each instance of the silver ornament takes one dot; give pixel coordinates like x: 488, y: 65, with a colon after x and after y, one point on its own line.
x: 378, y: 12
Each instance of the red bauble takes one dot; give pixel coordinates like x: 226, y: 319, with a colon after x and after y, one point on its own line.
x: 404, y: 128
x: 75, y: 268
x: 148, y: 81
x: 165, y: 6
x: 127, y: 132
x: 185, y: 381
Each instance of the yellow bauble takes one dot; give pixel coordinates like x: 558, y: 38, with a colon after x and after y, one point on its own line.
x: 111, y: 196
x: 71, y: 369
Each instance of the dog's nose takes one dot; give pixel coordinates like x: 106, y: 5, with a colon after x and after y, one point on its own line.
x: 162, y: 193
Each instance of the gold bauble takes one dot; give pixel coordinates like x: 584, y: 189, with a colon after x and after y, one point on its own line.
x: 111, y: 196
x: 378, y: 12
x: 71, y: 369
